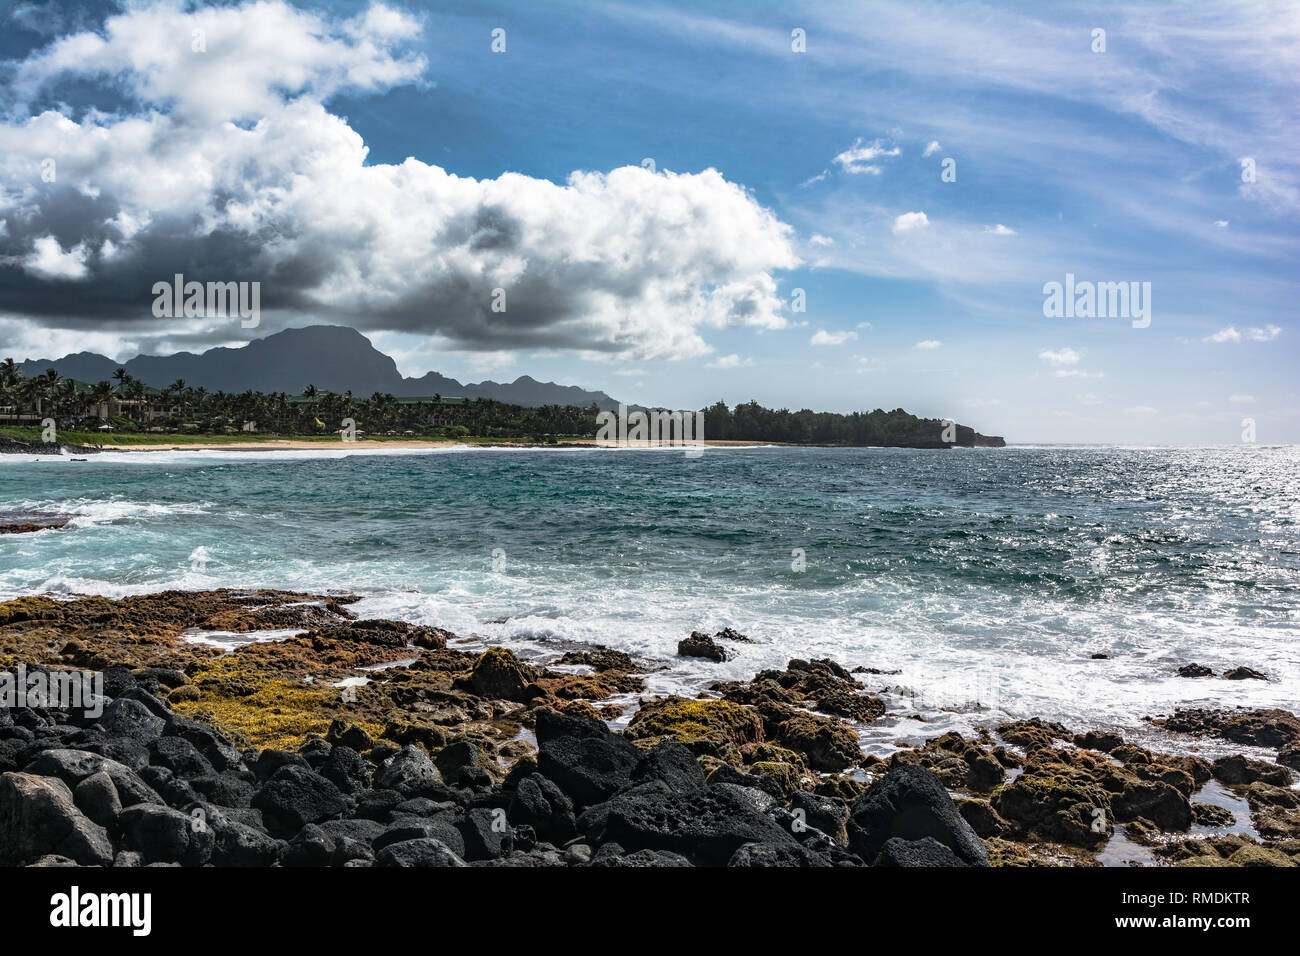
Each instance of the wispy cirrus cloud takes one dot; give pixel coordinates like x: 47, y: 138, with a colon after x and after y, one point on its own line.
x: 731, y: 361
x: 861, y: 157
x: 1234, y: 335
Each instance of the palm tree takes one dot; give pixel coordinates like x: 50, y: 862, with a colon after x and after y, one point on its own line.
x: 136, y: 390
x: 29, y: 392
x: 123, y: 379
x: 63, y: 397
x: 10, y: 376
x: 41, y: 389
x: 330, y: 407
x: 100, y: 393
x: 280, y: 402
x: 178, y: 387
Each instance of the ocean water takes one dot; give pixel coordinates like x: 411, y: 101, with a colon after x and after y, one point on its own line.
x: 987, y: 577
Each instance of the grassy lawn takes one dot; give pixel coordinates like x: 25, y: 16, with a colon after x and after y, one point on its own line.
x: 146, y: 438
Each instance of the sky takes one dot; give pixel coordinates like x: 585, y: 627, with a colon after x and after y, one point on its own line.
x: 837, y: 206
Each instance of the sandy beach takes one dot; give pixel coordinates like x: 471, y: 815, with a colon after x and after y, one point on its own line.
x: 288, y: 444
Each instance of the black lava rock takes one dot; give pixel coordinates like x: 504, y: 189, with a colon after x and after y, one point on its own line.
x: 423, y: 852
x: 700, y: 644
x: 590, y: 764
x: 295, y: 797
x: 673, y: 763
x: 708, y: 825
x: 924, y: 852
x: 911, y: 803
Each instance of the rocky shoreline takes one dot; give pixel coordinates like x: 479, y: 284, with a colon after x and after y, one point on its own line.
x: 378, y: 743
x: 21, y: 446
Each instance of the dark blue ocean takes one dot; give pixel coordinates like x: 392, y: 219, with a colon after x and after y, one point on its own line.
x: 988, y: 577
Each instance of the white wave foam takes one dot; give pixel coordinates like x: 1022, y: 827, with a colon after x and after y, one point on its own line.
x: 232, y: 639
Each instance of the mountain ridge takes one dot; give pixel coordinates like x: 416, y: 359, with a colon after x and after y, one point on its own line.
x: 335, y: 358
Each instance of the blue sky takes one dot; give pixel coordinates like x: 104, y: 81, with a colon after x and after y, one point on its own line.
x: 1115, y: 166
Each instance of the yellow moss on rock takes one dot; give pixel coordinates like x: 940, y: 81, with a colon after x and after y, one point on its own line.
x: 770, y: 752
x: 712, y: 727
x: 272, y: 713
x: 403, y: 732
x: 787, y: 775
x: 29, y: 609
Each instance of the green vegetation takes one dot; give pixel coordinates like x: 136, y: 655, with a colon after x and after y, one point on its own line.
x: 131, y: 413
x: 753, y: 422
x: 127, y: 412
x: 181, y: 439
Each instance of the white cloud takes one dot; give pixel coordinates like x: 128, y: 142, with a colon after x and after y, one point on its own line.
x: 1254, y: 334
x: 1000, y: 230
x: 49, y: 260
x: 817, y: 239
x: 256, y: 55
x: 1078, y: 373
x: 933, y: 148
x: 1066, y: 356
x: 626, y: 262
x: 1221, y: 223
x: 1241, y: 399
x: 822, y: 337
x: 928, y: 344
x: 859, y: 158
x: 488, y: 361
x: 731, y: 361
x: 22, y: 338
x: 909, y: 221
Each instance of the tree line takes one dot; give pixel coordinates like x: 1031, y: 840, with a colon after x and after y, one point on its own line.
x: 180, y: 406
x: 752, y: 422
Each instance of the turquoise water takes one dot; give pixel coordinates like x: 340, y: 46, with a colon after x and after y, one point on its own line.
x: 989, y: 577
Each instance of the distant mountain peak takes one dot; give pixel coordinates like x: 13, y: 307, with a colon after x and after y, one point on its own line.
x: 336, y: 358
